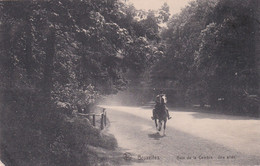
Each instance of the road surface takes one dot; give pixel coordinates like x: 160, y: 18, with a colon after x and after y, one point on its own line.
x: 191, y: 138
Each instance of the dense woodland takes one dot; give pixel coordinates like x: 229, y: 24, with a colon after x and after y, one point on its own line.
x: 60, y: 56
x: 210, y: 56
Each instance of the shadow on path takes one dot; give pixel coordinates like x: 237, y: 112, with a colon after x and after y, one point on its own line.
x: 156, y: 136
x: 221, y: 116
x: 213, y: 114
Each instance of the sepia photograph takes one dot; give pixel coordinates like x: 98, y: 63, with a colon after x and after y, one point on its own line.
x: 129, y: 82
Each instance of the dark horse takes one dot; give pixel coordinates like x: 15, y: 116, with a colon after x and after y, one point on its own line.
x: 161, y: 116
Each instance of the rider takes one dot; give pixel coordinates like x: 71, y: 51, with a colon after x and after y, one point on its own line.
x: 160, y: 104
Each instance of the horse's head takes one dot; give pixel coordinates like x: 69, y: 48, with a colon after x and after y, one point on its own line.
x: 164, y: 100
x: 161, y: 99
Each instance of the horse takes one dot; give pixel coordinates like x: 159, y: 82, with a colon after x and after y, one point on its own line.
x: 161, y: 116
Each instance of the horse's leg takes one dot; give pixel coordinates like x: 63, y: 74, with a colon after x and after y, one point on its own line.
x: 164, y: 126
x: 160, y: 125
x: 155, y: 121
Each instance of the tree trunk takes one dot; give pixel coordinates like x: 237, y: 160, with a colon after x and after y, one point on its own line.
x: 257, y: 48
x: 48, y: 66
x: 7, y: 62
x: 29, y: 63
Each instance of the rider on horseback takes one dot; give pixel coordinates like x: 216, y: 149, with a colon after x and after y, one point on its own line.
x: 160, y: 105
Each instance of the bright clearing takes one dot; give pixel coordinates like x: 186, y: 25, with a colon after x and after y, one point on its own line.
x: 175, y: 5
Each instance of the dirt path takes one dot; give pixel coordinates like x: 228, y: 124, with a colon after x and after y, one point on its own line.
x: 191, y: 138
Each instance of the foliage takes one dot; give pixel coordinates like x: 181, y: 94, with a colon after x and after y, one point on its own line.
x: 59, y: 56
x: 210, y: 55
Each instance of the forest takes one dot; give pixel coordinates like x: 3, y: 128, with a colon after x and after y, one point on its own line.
x: 60, y: 56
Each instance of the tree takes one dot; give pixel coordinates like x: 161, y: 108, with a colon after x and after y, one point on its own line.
x: 58, y: 56
x: 231, y: 54
x: 210, y: 55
